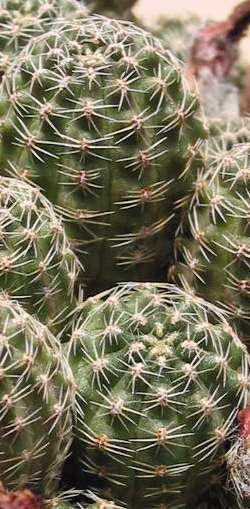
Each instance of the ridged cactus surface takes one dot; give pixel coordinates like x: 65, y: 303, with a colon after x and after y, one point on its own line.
x: 213, y: 247
x: 37, y: 266
x: 36, y: 394
x: 160, y: 389
x: 101, y: 117
x: 20, y: 20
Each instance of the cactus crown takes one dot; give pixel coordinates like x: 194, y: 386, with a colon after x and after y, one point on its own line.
x: 37, y: 266
x: 21, y: 20
x: 160, y: 388
x: 102, y: 118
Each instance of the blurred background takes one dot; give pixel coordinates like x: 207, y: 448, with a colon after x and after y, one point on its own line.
x: 216, y: 9
x: 151, y: 10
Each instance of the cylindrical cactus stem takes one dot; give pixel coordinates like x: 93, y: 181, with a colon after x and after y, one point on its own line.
x: 37, y: 393
x: 102, y: 118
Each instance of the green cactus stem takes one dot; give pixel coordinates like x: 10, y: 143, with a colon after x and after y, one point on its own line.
x: 37, y: 266
x: 160, y: 388
x: 36, y: 396
x: 212, y: 247
x: 101, y: 117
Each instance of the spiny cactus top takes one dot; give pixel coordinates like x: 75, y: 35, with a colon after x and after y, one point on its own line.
x: 101, y: 117
x: 37, y: 266
x: 36, y: 395
x: 160, y: 388
x: 213, y: 248
x: 20, y: 20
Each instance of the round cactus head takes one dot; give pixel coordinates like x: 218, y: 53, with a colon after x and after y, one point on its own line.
x: 37, y: 266
x: 213, y: 248
x: 161, y: 386
x: 102, y: 118
x: 20, y: 20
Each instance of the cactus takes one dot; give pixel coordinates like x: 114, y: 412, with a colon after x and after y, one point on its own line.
x: 229, y: 131
x: 212, y: 248
x: 36, y: 396
x: 20, y: 20
x: 238, y: 460
x: 160, y: 387
x: 111, y: 133
x: 26, y: 499
x: 23, y: 499
x: 37, y: 266
x: 178, y: 34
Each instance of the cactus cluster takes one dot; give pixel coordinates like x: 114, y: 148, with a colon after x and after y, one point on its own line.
x: 106, y: 177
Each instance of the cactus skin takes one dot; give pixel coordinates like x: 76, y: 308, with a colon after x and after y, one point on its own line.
x: 107, y: 129
x: 36, y: 395
x: 37, y: 266
x: 212, y: 249
x: 20, y: 20
x: 160, y: 389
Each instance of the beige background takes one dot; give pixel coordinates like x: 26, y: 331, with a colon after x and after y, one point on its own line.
x: 150, y: 10
x: 216, y: 8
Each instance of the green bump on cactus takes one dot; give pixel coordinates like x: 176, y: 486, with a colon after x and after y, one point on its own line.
x: 229, y: 131
x: 160, y: 387
x: 36, y: 395
x: 213, y: 247
x: 37, y: 266
x: 101, y: 117
x: 20, y: 20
